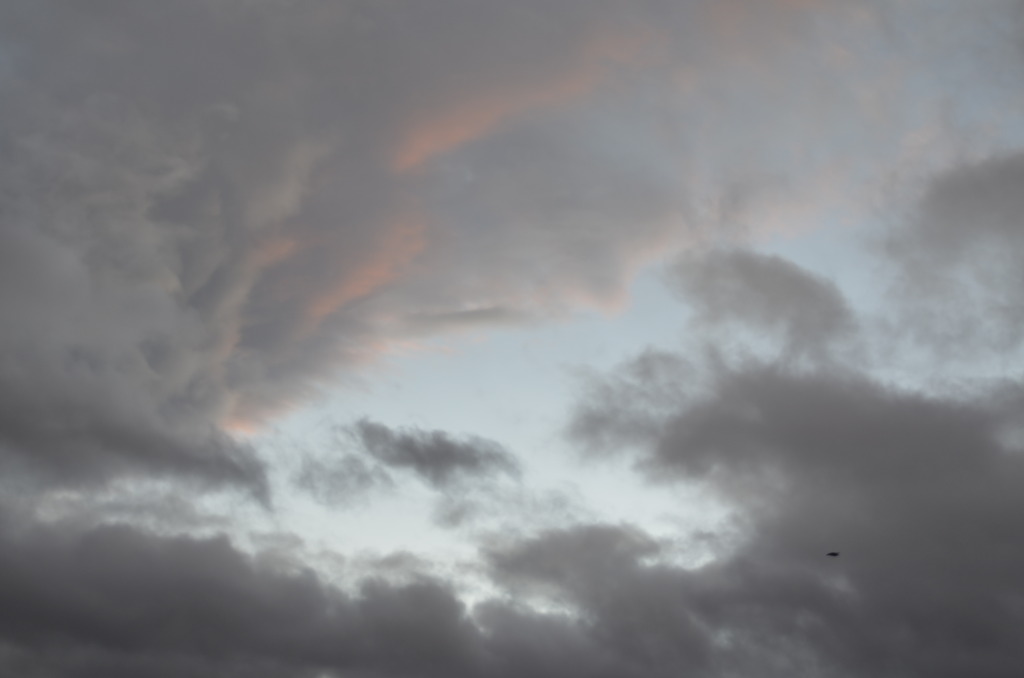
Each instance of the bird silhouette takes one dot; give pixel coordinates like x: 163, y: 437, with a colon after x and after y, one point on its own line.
x: 833, y: 554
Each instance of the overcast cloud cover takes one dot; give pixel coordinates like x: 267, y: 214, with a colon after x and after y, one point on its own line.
x: 214, y: 213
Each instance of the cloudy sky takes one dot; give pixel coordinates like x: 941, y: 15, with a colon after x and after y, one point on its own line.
x: 502, y: 338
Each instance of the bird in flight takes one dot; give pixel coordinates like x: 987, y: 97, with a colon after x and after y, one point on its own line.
x: 833, y: 554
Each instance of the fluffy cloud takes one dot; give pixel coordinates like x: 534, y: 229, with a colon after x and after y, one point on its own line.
x: 917, y: 492
x: 805, y: 313
x: 117, y: 601
x: 925, y: 584
x: 958, y: 259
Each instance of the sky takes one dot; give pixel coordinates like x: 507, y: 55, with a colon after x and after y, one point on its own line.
x: 494, y: 338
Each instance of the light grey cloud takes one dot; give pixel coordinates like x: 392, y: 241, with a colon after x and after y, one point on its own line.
x: 617, y: 410
x: 114, y: 600
x: 341, y: 481
x: 504, y: 507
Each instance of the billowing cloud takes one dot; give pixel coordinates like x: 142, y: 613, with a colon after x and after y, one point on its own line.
x: 805, y: 312
x: 826, y: 461
x: 117, y: 601
x: 957, y: 260
x: 907, y: 596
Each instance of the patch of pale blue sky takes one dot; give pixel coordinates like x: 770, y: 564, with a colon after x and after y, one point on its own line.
x: 514, y: 386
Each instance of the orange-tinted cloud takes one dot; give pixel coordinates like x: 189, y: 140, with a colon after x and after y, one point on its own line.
x: 482, y: 111
x: 397, y: 249
x: 748, y: 29
x: 275, y: 251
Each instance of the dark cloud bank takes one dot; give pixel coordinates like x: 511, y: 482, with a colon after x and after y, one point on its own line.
x: 170, y: 261
x: 920, y: 493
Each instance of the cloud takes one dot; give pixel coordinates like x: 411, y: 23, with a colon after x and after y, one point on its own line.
x: 768, y: 294
x: 472, y: 483
x: 553, y: 558
x: 486, y: 109
x: 435, y: 456
x: 907, y: 596
x: 340, y: 481
x: 103, y: 373
x: 113, y: 600
x: 957, y: 259
x: 916, y: 490
x: 194, y: 241
x: 618, y: 410
x: 117, y: 601
x: 209, y: 210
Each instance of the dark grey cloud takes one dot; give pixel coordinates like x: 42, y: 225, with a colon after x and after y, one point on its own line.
x: 115, y: 601
x: 917, y: 491
x: 958, y: 260
x: 649, y: 618
x: 580, y: 558
x: 770, y: 295
x: 102, y: 371
x: 437, y: 457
